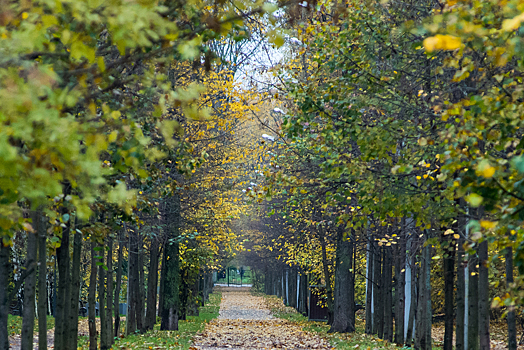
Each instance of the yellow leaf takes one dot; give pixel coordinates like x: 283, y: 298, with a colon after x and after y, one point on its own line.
x: 488, y: 224
x: 442, y: 42
x: 512, y: 24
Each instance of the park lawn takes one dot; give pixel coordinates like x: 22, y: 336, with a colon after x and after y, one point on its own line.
x: 14, y: 324
x: 157, y: 339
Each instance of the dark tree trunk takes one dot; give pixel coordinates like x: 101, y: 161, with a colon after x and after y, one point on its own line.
x: 369, y: 289
x: 72, y: 337
x: 42, y: 284
x: 5, y: 269
x: 388, y: 298
x: 28, y: 314
x: 302, y: 303
x: 116, y: 301
x: 414, y: 297
x: 473, y: 301
x: 449, y: 279
x: 132, y: 271
x: 102, y: 303
x: 400, y: 275
x: 461, y: 291
x: 109, y: 300
x: 377, y: 293
x: 92, y: 299
x: 184, y: 295
x: 140, y: 306
x: 162, y: 283
x: 63, y: 298
x: 170, y: 309
x: 292, y: 282
x: 171, y: 302
x: 327, y: 278
x: 152, y: 283
x: 512, y: 327
x: 423, y: 325
x: 484, y: 303
x: 343, y: 309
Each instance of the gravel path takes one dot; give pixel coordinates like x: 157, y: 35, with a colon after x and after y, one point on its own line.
x: 245, y: 322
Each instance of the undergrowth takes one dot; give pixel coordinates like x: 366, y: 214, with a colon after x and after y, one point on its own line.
x: 14, y: 324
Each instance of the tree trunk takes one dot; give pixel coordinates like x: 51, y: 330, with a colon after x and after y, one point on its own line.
x: 132, y: 271
x: 484, y: 303
x: 449, y: 279
x: 388, y: 298
x: 140, y: 306
x: 302, y: 302
x: 5, y: 270
x: 461, y: 290
x: 377, y: 293
x: 342, y: 304
x: 473, y: 301
x: 152, y: 283
x: 72, y: 337
x: 42, y: 284
x: 109, y: 301
x: 162, y: 283
x: 102, y: 303
x: 369, y: 289
x: 92, y: 299
x: 28, y: 313
x: 423, y: 325
x: 327, y: 278
x: 400, y: 275
x: 512, y: 327
x: 63, y: 298
x: 171, y: 302
x: 170, y: 309
x: 116, y: 301
x: 414, y: 297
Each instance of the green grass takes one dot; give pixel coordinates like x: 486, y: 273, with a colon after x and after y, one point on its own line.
x: 14, y: 324
x: 157, y: 339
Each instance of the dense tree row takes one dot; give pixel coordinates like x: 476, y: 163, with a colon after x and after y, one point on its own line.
x: 397, y: 165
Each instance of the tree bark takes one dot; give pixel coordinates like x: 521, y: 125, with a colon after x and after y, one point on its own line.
x: 162, y: 283
x: 152, y: 283
x: 512, y: 327
x: 42, y: 284
x: 327, y: 278
x: 116, y: 301
x: 449, y: 279
x: 5, y: 270
x: 132, y: 271
x: 102, y: 310
x: 109, y: 301
x: 369, y: 289
x: 414, y: 296
x: 342, y: 309
x: 377, y: 292
x: 28, y: 313
x: 473, y: 301
x: 63, y: 297
x: 72, y: 337
x: 400, y: 275
x: 170, y: 309
x: 461, y: 290
x: 92, y: 299
x: 171, y: 302
x: 484, y: 303
x: 140, y: 306
x: 388, y: 298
